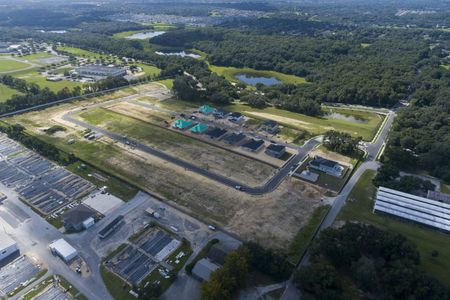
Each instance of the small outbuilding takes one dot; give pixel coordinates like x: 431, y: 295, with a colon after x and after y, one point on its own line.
x: 63, y: 249
x: 275, y: 150
x: 78, y: 218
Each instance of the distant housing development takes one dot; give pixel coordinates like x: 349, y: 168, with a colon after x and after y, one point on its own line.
x: 421, y: 210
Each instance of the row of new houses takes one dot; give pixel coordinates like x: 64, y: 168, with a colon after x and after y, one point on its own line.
x: 234, y: 139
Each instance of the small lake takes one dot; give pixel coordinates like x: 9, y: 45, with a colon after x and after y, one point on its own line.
x: 181, y: 54
x: 145, y: 35
x: 253, y: 80
x: 349, y: 118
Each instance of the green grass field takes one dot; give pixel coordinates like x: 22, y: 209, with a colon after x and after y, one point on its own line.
x: 149, y: 70
x: 41, y: 81
x: 182, y: 146
x: 36, y: 56
x: 8, y: 65
x: 447, y: 67
x: 317, y: 125
x: 230, y: 72
x: 6, y: 92
x: 359, y: 208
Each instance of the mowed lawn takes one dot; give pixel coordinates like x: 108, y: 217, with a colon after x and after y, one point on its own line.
x: 8, y: 65
x: 317, y: 125
x: 359, y: 208
x: 35, y: 77
x: 190, y: 149
x: 230, y: 72
x: 6, y: 92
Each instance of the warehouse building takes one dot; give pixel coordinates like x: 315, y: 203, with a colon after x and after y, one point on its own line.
x: 417, y: 209
x: 63, y: 249
x: 8, y: 248
x: 100, y: 71
x: 78, y: 218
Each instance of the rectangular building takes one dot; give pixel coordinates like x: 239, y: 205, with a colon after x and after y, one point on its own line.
x: 421, y: 210
x: 100, y: 71
x: 63, y: 249
x: 8, y: 247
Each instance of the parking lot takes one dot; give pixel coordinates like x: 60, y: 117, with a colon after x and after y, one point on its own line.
x: 132, y: 264
x: 38, y: 181
x: 140, y: 258
x: 16, y: 273
x: 53, y: 293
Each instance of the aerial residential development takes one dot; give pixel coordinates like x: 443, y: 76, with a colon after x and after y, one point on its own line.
x: 218, y: 150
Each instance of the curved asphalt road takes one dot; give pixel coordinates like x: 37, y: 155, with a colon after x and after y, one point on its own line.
x: 268, y: 187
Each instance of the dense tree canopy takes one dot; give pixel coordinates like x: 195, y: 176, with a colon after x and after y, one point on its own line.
x: 382, y: 264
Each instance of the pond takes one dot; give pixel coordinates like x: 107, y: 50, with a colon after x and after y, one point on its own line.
x: 145, y: 35
x: 350, y: 118
x: 253, y: 80
x: 181, y: 54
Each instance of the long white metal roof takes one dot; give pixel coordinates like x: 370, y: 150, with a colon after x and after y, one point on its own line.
x: 419, y: 209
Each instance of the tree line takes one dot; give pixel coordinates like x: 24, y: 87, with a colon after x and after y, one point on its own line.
x: 382, y: 265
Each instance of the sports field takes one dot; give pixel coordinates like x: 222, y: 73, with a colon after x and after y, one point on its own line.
x: 8, y: 65
x: 6, y: 92
x: 230, y: 72
x: 204, y: 155
x: 359, y: 208
x: 366, y: 123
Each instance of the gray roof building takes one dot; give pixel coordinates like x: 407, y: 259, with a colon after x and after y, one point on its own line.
x: 74, y: 218
x: 203, y: 269
x: 100, y: 71
x: 275, y: 150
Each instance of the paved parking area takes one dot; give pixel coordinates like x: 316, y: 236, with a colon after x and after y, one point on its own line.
x: 53, y: 293
x: 132, y: 264
x: 39, y: 182
x: 16, y: 273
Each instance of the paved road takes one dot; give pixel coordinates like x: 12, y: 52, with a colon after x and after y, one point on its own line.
x: 373, y: 149
x: 33, y: 235
x: 268, y: 187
